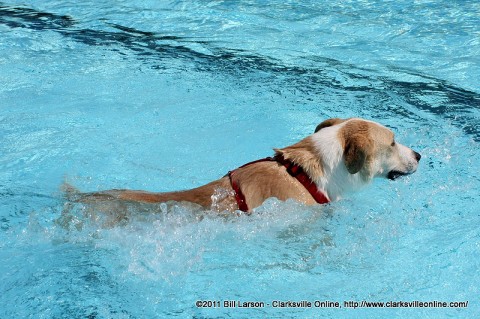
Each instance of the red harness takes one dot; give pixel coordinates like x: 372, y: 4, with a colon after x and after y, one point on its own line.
x: 293, y: 169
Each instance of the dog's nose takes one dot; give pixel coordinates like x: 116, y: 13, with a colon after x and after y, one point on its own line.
x: 417, y: 156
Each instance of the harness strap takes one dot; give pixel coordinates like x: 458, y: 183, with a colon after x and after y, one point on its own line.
x: 297, y: 171
x: 293, y: 169
x: 239, y: 197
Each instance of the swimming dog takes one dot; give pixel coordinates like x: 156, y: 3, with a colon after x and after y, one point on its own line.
x: 340, y: 156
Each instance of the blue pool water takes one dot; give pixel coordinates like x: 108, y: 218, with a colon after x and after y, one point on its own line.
x: 170, y: 95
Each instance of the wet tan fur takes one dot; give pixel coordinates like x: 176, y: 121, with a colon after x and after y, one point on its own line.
x: 258, y: 182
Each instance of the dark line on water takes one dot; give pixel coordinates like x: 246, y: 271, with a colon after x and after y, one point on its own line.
x: 157, y: 49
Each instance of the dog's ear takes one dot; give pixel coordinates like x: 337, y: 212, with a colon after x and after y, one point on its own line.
x: 327, y: 123
x: 358, y: 147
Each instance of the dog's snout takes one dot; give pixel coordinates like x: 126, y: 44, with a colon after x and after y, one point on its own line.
x: 417, y: 156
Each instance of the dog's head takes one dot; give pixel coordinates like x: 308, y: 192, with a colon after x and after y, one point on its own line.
x: 370, y: 148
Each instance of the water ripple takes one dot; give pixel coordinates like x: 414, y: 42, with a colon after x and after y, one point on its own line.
x: 426, y: 93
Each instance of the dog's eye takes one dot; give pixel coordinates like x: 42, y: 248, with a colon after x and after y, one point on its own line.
x: 393, y: 143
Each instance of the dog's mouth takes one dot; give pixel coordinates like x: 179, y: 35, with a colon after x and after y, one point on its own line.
x: 393, y: 175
